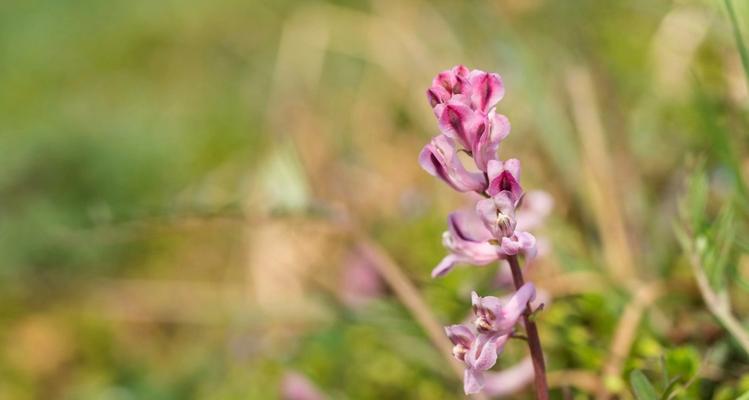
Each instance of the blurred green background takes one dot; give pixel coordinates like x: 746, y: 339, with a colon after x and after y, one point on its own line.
x: 186, y: 188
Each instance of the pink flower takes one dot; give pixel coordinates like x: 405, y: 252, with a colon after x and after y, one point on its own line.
x: 477, y: 89
x: 495, y: 322
x: 478, y: 353
x: 494, y: 317
x: 486, y: 91
x: 498, y: 214
x: 468, y: 241
x: 446, y: 84
x: 440, y: 159
x: 471, y: 242
x: 505, y: 176
x: 459, y: 122
x: 360, y: 283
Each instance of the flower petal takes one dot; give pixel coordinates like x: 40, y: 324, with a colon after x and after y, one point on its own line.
x: 498, y: 214
x: 473, y: 381
x: 484, y: 351
x: 462, y: 124
x: 509, y: 380
x: 487, y: 143
x: 445, y: 266
x: 439, y: 158
x: 460, y: 334
x: 514, y: 308
x: 486, y: 89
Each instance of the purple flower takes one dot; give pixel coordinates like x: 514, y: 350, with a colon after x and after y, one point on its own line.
x: 494, y: 317
x: 498, y: 214
x: 494, y: 322
x: 440, y: 158
x: 505, y: 176
x: 468, y: 241
x: 478, y: 353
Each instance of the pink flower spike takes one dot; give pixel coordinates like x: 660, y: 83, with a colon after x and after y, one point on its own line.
x: 505, y: 176
x: 498, y: 214
x: 487, y: 90
x: 439, y: 158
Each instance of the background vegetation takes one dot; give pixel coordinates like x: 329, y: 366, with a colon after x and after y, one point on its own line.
x: 187, y: 186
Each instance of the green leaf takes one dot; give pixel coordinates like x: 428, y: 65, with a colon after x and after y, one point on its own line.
x: 641, y: 386
x: 739, y: 39
x: 744, y: 396
x: 670, y: 388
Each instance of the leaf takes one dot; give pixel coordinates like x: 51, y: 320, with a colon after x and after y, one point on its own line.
x: 739, y: 39
x: 670, y: 388
x: 744, y: 396
x: 641, y: 386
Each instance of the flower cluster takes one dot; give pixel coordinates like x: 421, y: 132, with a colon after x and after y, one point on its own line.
x: 494, y: 323
x: 464, y: 103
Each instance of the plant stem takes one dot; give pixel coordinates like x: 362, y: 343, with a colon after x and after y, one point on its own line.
x: 534, y: 343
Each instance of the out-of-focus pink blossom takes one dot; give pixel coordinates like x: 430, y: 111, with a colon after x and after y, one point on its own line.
x: 509, y: 380
x: 535, y: 208
x: 295, y: 386
x: 440, y: 159
x: 360, y: 281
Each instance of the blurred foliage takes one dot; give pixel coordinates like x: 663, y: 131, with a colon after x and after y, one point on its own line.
x: 178, y: 181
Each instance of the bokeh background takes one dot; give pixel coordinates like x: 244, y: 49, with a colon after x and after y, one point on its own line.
x: 207, y: 199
